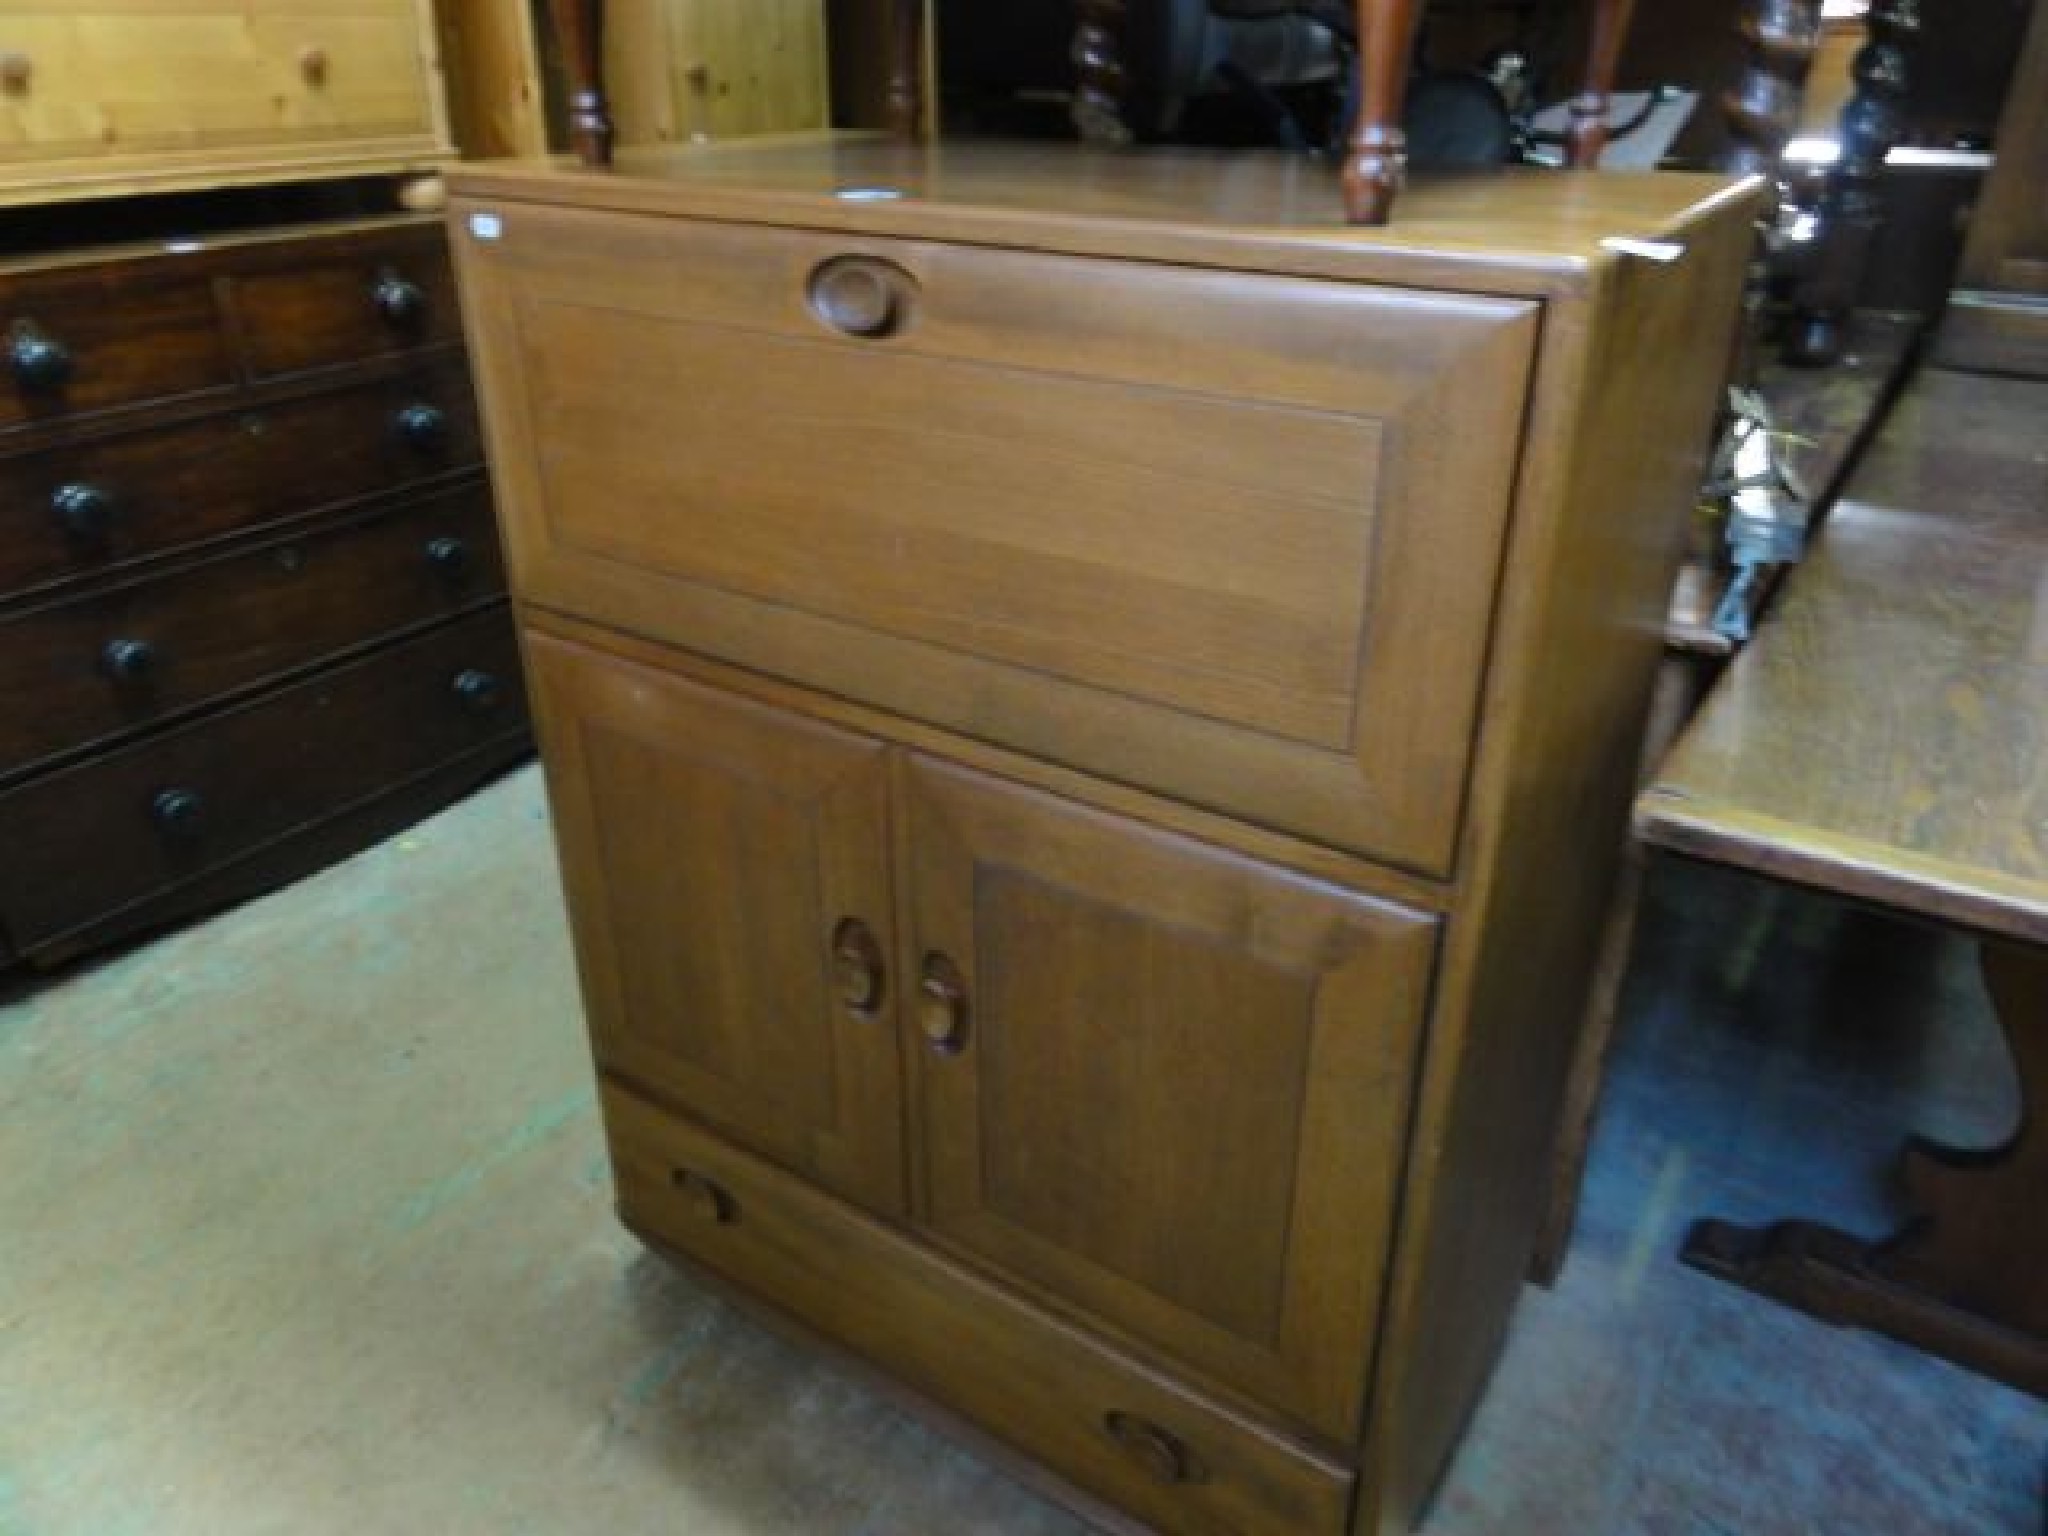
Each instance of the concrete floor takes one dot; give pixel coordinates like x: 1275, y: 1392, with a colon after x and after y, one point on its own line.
x: 306, y: 1231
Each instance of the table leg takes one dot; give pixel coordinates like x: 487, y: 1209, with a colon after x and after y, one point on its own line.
x: 1378, y: 156
x: 1967, y: 1278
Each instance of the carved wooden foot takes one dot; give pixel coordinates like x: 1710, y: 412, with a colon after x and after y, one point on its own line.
x: 1967, y: 1279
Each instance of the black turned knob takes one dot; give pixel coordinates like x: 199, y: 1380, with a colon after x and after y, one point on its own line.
x: 40, y: 362
x: 449, y: 556
x: 423, y: 427
x: 86, y: 511
x: 128, y: 661
x: 177, y: 811
x: 477, y: 691
x: 401, y: 303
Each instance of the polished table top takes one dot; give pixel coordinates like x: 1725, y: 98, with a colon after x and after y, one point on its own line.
x: 1886, y: 735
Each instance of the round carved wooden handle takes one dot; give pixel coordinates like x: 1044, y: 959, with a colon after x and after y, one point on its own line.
x: 84, y: 511
x: 313, y: 62
x: 942, y: 1004
x: 861, y: 295
x: 858, y: 975
x: 708, y: 1200
x: 17, y: 70
x: 1161, y: 1454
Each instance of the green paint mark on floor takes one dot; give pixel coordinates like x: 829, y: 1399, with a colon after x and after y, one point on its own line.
x: 545, y: 1120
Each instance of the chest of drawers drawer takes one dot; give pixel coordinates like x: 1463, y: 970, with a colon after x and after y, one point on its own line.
x: 76, y: 672
x: 102, y: 336
x: 194, y: 798
x: 363, y: 298
x: 90, y: 506
x: 200, y: 92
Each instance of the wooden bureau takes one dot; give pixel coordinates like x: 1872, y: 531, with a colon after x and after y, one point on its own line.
x: 1090, y: 713
x: 251, y: 606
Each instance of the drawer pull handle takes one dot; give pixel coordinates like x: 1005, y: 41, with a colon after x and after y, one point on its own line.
x: 708, y: 1200
x: 41, y: 363
x: 423, y: 428
x: 313, y: 62
x: 128, y: 661
x: 860, y: 295
x: 449, y: 556
x: 17, y: 72
x: 858, y: 973
x: 942, y: 1005
x: 401, y: 304
x: 177, y: 812
x: 1165, y: 1456
x: 478, y: 691
x: 85, y: 511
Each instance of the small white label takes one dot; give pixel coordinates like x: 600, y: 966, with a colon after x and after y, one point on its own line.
x: 486, y: 226
x: 1649, y: 250
x: 869, y: 194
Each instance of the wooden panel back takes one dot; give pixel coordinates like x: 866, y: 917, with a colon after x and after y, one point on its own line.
x: 1179, y: 1101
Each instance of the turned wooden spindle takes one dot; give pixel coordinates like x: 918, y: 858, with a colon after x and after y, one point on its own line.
x: 1587, y: 135
x: 580, y: 26
x: 906, y: 69
x: 1780, y: 39
x: 1852, y: 204
x: 1378, y: 155
x: 1100, y: 81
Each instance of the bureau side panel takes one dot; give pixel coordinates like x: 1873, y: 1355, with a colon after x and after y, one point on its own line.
x: 1626, y: 394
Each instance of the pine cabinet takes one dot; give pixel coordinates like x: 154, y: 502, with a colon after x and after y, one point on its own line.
x: 1090, y: 716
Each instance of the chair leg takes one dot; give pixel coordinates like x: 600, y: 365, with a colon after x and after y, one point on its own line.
x: 1588, y: 133
x: 1378, y: 154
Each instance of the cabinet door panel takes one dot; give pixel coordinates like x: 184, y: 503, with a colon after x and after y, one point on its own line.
x: 717, y: 854
x: 1175, y: 1092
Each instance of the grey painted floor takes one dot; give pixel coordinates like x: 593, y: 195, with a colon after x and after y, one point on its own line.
x: 304, y: 1229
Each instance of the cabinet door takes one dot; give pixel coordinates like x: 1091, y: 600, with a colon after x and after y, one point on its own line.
x: 1160, y: 1083
x: 727, y: 872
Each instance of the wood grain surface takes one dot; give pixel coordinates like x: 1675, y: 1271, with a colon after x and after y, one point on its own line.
x: 1526, y: 232
x: 1886, y: 737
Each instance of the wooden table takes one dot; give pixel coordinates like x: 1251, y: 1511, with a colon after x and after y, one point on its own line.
x: 1885, y: 738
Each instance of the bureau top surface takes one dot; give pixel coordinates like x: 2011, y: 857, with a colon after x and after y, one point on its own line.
x: 1527, y: 230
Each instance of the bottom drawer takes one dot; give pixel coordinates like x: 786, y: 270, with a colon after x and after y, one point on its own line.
x: 1112, y: 1428
x: 93, y: 839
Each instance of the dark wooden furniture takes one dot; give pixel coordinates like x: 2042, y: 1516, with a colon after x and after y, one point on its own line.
x: 1373, y: 168
x: 251, y: 607
x: 1997, y: 319
x: 1088, y: 743
x: 1881, y: 740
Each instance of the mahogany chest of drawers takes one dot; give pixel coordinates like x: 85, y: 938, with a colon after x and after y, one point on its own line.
x: 1090, y: 712
x: 251, y: 607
